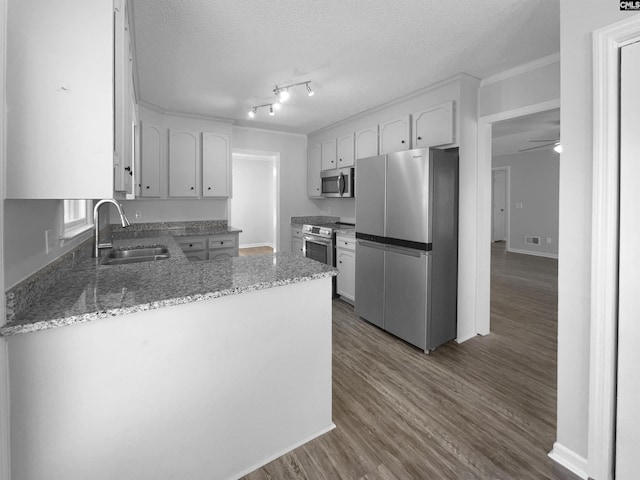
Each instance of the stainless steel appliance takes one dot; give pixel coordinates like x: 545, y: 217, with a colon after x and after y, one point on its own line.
x: 318, y: 241
x: 407, y: 244
x: 337, y: 183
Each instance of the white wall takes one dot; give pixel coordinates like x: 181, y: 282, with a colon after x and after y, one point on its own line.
x: 535, y: 184
x: 252, y: 205
x: 292, y: 150
x: 578, y: 19
x: 25, y: 222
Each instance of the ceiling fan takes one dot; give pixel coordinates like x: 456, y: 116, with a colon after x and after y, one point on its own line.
x: 548, y: 142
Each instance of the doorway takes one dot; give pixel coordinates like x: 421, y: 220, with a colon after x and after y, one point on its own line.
x: 253, y: 207
x: 500, y: 204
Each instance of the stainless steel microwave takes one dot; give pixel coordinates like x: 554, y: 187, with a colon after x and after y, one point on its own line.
x: 338, y: 182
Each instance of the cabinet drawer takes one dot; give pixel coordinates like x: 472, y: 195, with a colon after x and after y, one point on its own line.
x: 296, y: 231
x: 346, y: 243
x: 227, y: 241
x: 192, y: 244
x: 196, y: 256
x: 222, y: 253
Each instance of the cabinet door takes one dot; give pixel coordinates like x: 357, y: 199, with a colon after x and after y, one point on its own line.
x: 150, y: 146
x: 215, y: 164
x: 367, y: 142
x: 329, y: 155
x: 313, y: 171
x: 346, y: 154
x: 60, y: 100
x: 183, y: 158
x: 394, y: 135
x: 434, y: 126
x: 346, y: 264
x: 296, y: 245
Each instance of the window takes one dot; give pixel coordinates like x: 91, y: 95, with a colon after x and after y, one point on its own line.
x: 77, y: 217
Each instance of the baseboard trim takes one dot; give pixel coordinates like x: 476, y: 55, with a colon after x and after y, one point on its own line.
x: 254, y: 245
x: 569, y: 460
x: 271, y: 458
x: 465, y: 338
x: 535, y: 254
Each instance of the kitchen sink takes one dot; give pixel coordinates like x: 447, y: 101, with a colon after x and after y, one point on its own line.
x: 136, y: 255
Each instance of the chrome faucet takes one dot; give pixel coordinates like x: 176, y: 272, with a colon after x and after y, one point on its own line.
x: 96, y: 225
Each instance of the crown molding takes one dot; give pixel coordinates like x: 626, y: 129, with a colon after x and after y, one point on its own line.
x: 194, y: 116
x: 520, y: 69
x: 267, y: 130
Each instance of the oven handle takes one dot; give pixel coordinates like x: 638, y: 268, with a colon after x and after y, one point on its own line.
x: 321, y: 241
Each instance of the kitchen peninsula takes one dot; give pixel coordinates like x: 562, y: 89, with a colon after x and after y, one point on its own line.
x: 177, y: 369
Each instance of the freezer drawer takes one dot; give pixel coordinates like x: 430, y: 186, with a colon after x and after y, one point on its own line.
x: 406, y: 295
x: 370, y: 282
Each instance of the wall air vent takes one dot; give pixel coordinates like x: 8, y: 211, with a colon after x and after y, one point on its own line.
x: 532, y: 240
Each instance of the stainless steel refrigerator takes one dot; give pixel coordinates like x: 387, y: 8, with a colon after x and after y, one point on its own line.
x: 407, y: 244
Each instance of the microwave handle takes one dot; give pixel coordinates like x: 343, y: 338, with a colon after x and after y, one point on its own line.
x: 341, y: 184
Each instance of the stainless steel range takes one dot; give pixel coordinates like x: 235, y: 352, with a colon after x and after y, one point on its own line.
x: 318, y: 241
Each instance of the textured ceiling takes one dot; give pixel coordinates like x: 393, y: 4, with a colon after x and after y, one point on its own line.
x: 221, y: 57
x: 517, y: 134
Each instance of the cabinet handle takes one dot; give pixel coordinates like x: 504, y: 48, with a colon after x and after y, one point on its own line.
x: 209, y: 188
x: 340, y: 261
x: 192, y: 188
x: 419, y: 138
x: 148, y: 187
x: 402, y: 141
x: 191, y: 244
x: 221, y: 243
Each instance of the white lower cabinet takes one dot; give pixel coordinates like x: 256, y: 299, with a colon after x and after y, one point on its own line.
x: 211, y: 247
x: 346, y: 264
x: 296, y: 239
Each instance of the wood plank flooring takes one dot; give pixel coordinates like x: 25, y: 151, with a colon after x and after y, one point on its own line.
x: 484, y: 409
x: 245, y: 252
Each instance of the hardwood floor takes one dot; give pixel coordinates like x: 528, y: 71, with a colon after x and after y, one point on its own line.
x: 484, y: 409
x: 245, y: 252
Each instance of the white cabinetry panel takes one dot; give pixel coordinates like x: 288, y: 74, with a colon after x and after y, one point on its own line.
x: 346, y: 154
x: 151, y: 151
x: 216, y: 151
x: 394, y: 135
x: 434, y: 126
x: 367, y: 142
x: 329, y: 155
x: 183, y: 160
x: 313, y: 170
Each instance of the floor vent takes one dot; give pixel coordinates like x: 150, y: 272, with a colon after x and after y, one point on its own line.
x: 532, y: 240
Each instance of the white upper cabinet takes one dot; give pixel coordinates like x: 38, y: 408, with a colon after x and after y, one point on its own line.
x: 60, y: 99
x: 183, y: 161
x: 313, y: 170
x: 434, y: 126
x: 216, y: 151
x: 346, y: 153
x: 329, y: 155
x: 151, y: 155
x: 367, y: 142
x: 395, y: 135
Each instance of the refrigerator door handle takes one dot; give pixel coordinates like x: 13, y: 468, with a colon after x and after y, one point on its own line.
x: 377, y: 246
x: 407, y: 251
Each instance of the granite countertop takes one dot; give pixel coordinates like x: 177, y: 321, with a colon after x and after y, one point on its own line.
x: 91, y: 291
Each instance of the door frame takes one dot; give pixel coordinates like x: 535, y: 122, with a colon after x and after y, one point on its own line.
x: 275, y: 157
x: 507, y: 202
x: 485, y: 211
x: 607, y: 42
x: 5, y: 453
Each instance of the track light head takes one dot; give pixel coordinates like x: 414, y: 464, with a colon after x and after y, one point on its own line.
x: 309, y: 91
x: 271, y: 112
x: 277, y: 106
x: 253, y: 111
x: 283, y: 95
x: 558, y: 147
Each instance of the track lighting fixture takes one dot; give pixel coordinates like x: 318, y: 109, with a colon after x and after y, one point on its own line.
x: 283, y: 95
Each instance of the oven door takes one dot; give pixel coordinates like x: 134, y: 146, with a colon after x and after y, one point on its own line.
x: 318, y: 248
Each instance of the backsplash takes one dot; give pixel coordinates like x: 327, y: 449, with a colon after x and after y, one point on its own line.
x: 314, y: 220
